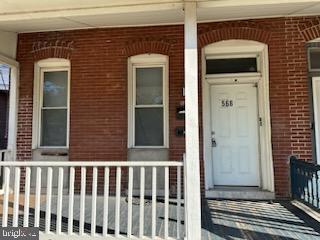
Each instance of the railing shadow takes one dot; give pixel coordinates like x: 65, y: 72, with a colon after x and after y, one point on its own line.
x: 246, y: 220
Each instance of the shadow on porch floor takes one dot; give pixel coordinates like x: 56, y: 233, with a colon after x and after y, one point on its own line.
x: 256, y: 220
x: 221, y: 219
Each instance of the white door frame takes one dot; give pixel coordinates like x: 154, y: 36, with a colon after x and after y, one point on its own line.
x: 13, y: 106
x: 316, y: 111
x: 238, y: 48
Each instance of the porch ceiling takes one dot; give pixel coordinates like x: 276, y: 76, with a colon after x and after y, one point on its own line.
x: 47, y: 15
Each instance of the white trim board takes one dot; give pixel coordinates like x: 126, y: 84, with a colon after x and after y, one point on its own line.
x: 13, y: 103
x: 238, y: 47
x: 316, y: 110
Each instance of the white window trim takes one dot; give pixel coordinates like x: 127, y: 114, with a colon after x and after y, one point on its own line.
x: 316, y: 110
x: 147, y: 60
x: 51, y: 64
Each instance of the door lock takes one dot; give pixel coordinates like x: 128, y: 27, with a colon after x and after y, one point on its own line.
x: 213, y: 139
x: 213, y: 142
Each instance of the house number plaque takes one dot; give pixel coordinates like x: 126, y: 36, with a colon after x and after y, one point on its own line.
x: 226, y: 103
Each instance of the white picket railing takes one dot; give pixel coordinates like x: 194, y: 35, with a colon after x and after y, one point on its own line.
x: 110, y: 200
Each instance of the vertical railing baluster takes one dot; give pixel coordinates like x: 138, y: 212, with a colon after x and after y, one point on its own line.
x: 166, y: 202
x: 94, y: 201
x: 17, y: 179
x: 6, y: 196
x: 297, y: 187
x: 59, y: 200
x: 141, y: 215
x: 130, y: 187
x: 154, y: 203
x: 292, y: 176
x: 318, y: 189
x: 38, y: 198
x: 313, y: 188
x: 27, y: 197
x: 301, y: 187
x: 117, y: 205
x: 71, y: 199
x: 303, y: 177
x: 309, y: 181
x: 306, y: 182
x: 106, y: 201
x: 48, y: 200
x: 178, y: 201
x: 82, y: 199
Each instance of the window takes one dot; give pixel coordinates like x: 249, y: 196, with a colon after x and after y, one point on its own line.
x: 53, y: 103
x: 314, y: 59
x: 148, y: 101
x: 231, y: 65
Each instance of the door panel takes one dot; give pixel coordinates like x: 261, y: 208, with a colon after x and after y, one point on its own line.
x: 235, y: 149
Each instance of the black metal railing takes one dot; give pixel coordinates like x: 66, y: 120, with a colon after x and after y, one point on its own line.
x: 305, y: 182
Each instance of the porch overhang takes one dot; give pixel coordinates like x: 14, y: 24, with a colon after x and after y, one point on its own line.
x: 32, y: 15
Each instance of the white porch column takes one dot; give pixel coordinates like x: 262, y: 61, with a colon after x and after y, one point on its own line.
x: 192, y: 169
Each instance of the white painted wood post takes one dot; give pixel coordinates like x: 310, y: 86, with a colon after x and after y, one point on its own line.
x: 192, y: 169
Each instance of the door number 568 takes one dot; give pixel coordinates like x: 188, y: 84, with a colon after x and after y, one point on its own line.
x: 226, y: 103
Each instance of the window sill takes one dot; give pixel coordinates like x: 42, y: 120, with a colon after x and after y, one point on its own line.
x: 148, y: 154
x: 54, y: 152
x: 148, y: 147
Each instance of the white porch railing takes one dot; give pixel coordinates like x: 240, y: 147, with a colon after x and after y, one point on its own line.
x: 110, y: 200
x: 3, y: 155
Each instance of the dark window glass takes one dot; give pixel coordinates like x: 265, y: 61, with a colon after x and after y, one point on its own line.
x: 231, y: 65
x: 149, y: 127
x: 54, y: 127
x: 314, y: 59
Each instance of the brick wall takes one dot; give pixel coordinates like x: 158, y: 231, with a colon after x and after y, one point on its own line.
x: 99, y: 84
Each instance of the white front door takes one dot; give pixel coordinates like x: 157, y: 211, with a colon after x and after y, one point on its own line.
x: 316, y: 112
x: 235, y: 141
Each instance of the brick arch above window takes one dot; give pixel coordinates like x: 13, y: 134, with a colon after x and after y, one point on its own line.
x: 311, y: 33
x: 54, y: 49
x: 244, y: 33
x: 141, y: 47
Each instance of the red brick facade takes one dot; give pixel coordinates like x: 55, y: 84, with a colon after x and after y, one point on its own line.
x: 98, y: 127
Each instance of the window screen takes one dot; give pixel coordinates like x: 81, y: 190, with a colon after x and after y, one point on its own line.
x: 231, y: 65
x: 314, y: 59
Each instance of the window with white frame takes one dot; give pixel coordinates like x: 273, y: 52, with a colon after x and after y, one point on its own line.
x: 53, y: 103
x: 148, y: 101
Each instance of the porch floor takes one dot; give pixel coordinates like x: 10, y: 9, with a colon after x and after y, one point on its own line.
x: 221, y: 219
x: 228, y: 219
